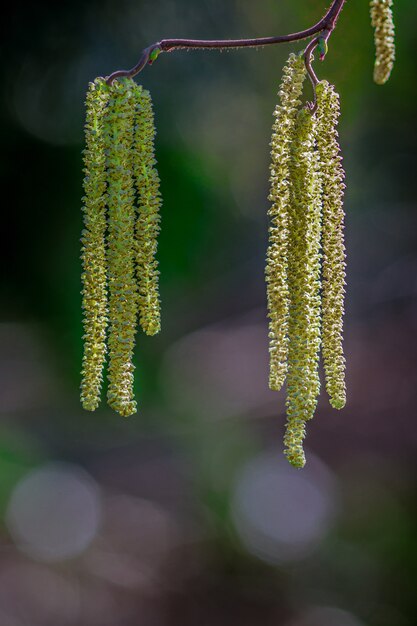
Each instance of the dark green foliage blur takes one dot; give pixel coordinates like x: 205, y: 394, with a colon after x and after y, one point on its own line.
x: 186, y: 513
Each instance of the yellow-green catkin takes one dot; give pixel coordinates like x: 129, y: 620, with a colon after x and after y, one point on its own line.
x: 93, y: 253
x: 303, y: 383
x: 119, y: 131
x: 277, y: 255
x: 384, y: 35
x: 334, y: 257
x: 148, y: 217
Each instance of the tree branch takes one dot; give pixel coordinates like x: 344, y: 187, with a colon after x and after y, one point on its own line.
x: 325, y: 26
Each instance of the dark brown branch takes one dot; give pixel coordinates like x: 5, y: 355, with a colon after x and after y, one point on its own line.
x: 326, y: 25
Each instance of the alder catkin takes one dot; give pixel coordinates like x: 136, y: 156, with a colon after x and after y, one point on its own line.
x: 148, y: 206
x: 93, y: 253
x: 303, y: 383
x: 384, y: 35
x: 334, y: 264
x: 121, y: 247
x: 277, y: 255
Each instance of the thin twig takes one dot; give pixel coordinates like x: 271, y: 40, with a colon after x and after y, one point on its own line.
x: 149, y: 54
x: 308, y: 59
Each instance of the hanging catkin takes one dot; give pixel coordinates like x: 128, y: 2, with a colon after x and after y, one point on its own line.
x: 334, y: 264
x: 384, y: 35
x: 277, y: 255
x: 148, y: 207
x: 303, y: 384
x: 119, y: 240
x: 93, y: 252
x: 121, y: 246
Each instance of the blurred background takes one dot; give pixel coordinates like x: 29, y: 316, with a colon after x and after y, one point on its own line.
x: 187, y: 513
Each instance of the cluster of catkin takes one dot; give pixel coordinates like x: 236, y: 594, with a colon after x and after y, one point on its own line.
x: 119, y: 241
x: 305, y: 270
x: 383, y: 23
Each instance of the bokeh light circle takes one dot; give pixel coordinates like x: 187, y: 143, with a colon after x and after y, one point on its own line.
x: 281, y: 514
x: 54, y: 512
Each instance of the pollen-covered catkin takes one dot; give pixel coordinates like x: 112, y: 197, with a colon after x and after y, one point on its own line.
x: 303, y: 384
x: 148, y: 207
x: 334, y: 264
x: 384, y: 35
x: 93, y: 253
x: 277, y: 255
x: 121, y: 246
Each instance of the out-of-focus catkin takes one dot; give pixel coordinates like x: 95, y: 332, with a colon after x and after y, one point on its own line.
x: 334, y: 263
x: 148, y: 207
x: 93, y: 253
x: 303, y: 384
x: 121, y: 246
x: 277, y: 255
x: 384, y: 35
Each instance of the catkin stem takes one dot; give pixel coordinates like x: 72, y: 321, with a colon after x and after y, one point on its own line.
x: 334, y: 264
x: 148, y: 218
x: 122, y: 283
x: 303, y: 384
x: 93, y: 252
x: 277, y: 255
